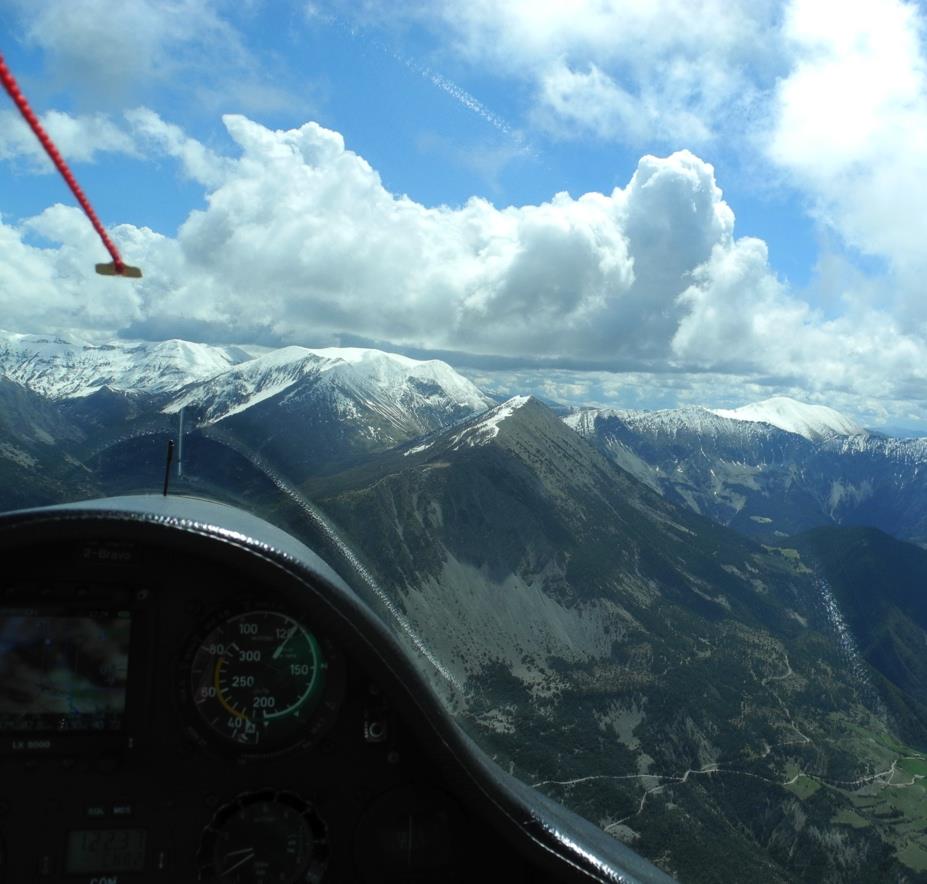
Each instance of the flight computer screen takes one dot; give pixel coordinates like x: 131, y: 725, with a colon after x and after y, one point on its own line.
x: 63, y: 672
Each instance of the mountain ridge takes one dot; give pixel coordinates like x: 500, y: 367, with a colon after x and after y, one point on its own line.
x: 374, y: 375
x: 762, y: 480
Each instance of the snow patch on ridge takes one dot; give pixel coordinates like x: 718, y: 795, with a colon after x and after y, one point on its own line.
x: 487, y: 428
x: 241, y: 386
x: 667, y: 422
x: 418, y: 449
x: 814, y: 422
x: 582, y: 420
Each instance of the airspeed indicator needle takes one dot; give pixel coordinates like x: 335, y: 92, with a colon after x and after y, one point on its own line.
x: 240, y: 862
x: 283, y: 644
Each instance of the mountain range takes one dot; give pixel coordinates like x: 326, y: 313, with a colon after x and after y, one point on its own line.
x: 735, y: 704
x: 770, y: 469
x: 305, y: 408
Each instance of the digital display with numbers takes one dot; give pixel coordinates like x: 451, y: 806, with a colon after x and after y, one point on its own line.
x: 106, y: 850
x: 63, y: 672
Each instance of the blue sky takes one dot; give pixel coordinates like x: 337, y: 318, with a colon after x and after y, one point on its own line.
x: 771, y: 247
x: 375, y: 89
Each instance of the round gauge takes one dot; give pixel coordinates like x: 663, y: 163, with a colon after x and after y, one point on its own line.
x: 262, y: 682
x: 264, y: 838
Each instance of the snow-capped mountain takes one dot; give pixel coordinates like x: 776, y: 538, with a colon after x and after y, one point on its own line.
x: 62, y: 367
x: 299, y: 408
x: 479, y: 430
x: 219, y: 382
x: 769, y: 469
x: 404, y: 392
x: 811, y: 421
x: 671, y: 422
x: 306, y: 410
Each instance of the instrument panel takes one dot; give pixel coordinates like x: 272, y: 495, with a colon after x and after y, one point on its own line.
x: 193, y: 701
x: 186, y: 723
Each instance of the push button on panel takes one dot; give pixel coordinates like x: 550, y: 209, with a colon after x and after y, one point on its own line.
x: 46, y: 866
x: 161, y: 859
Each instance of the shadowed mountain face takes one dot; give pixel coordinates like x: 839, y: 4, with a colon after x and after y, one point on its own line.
x: 762, y: 480
x: 36, y: 438
x: 684, y: 687
x: 879, y: 584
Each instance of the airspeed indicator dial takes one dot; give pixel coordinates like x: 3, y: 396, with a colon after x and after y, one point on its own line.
x: 257, y: 680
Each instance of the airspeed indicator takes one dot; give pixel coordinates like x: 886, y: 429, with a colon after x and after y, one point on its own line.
x: 257, y: 681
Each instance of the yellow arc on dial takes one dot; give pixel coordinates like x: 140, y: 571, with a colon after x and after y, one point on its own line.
x: 218, y: 677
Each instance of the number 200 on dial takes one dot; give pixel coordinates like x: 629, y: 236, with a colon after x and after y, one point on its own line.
x: 257, y: 678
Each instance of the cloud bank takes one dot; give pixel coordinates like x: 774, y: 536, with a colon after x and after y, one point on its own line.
x: 301, y: 242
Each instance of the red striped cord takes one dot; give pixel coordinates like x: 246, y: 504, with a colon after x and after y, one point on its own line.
x: 11, y: 86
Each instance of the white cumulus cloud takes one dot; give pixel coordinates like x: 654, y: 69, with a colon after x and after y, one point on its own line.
x: 45, y: 288
x: 849, y: 125
x: 300, y: 242
x: 118, y: 52
x: 79, y: 137
x: 140, y: 133
x: 157, y: 136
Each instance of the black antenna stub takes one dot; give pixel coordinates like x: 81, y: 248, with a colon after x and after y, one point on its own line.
x: 167, y: 466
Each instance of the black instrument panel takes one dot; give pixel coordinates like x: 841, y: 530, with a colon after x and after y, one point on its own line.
x: 180, y: 704
x: 134, y: 772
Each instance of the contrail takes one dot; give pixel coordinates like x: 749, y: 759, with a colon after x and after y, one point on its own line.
x: 460, y: 94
